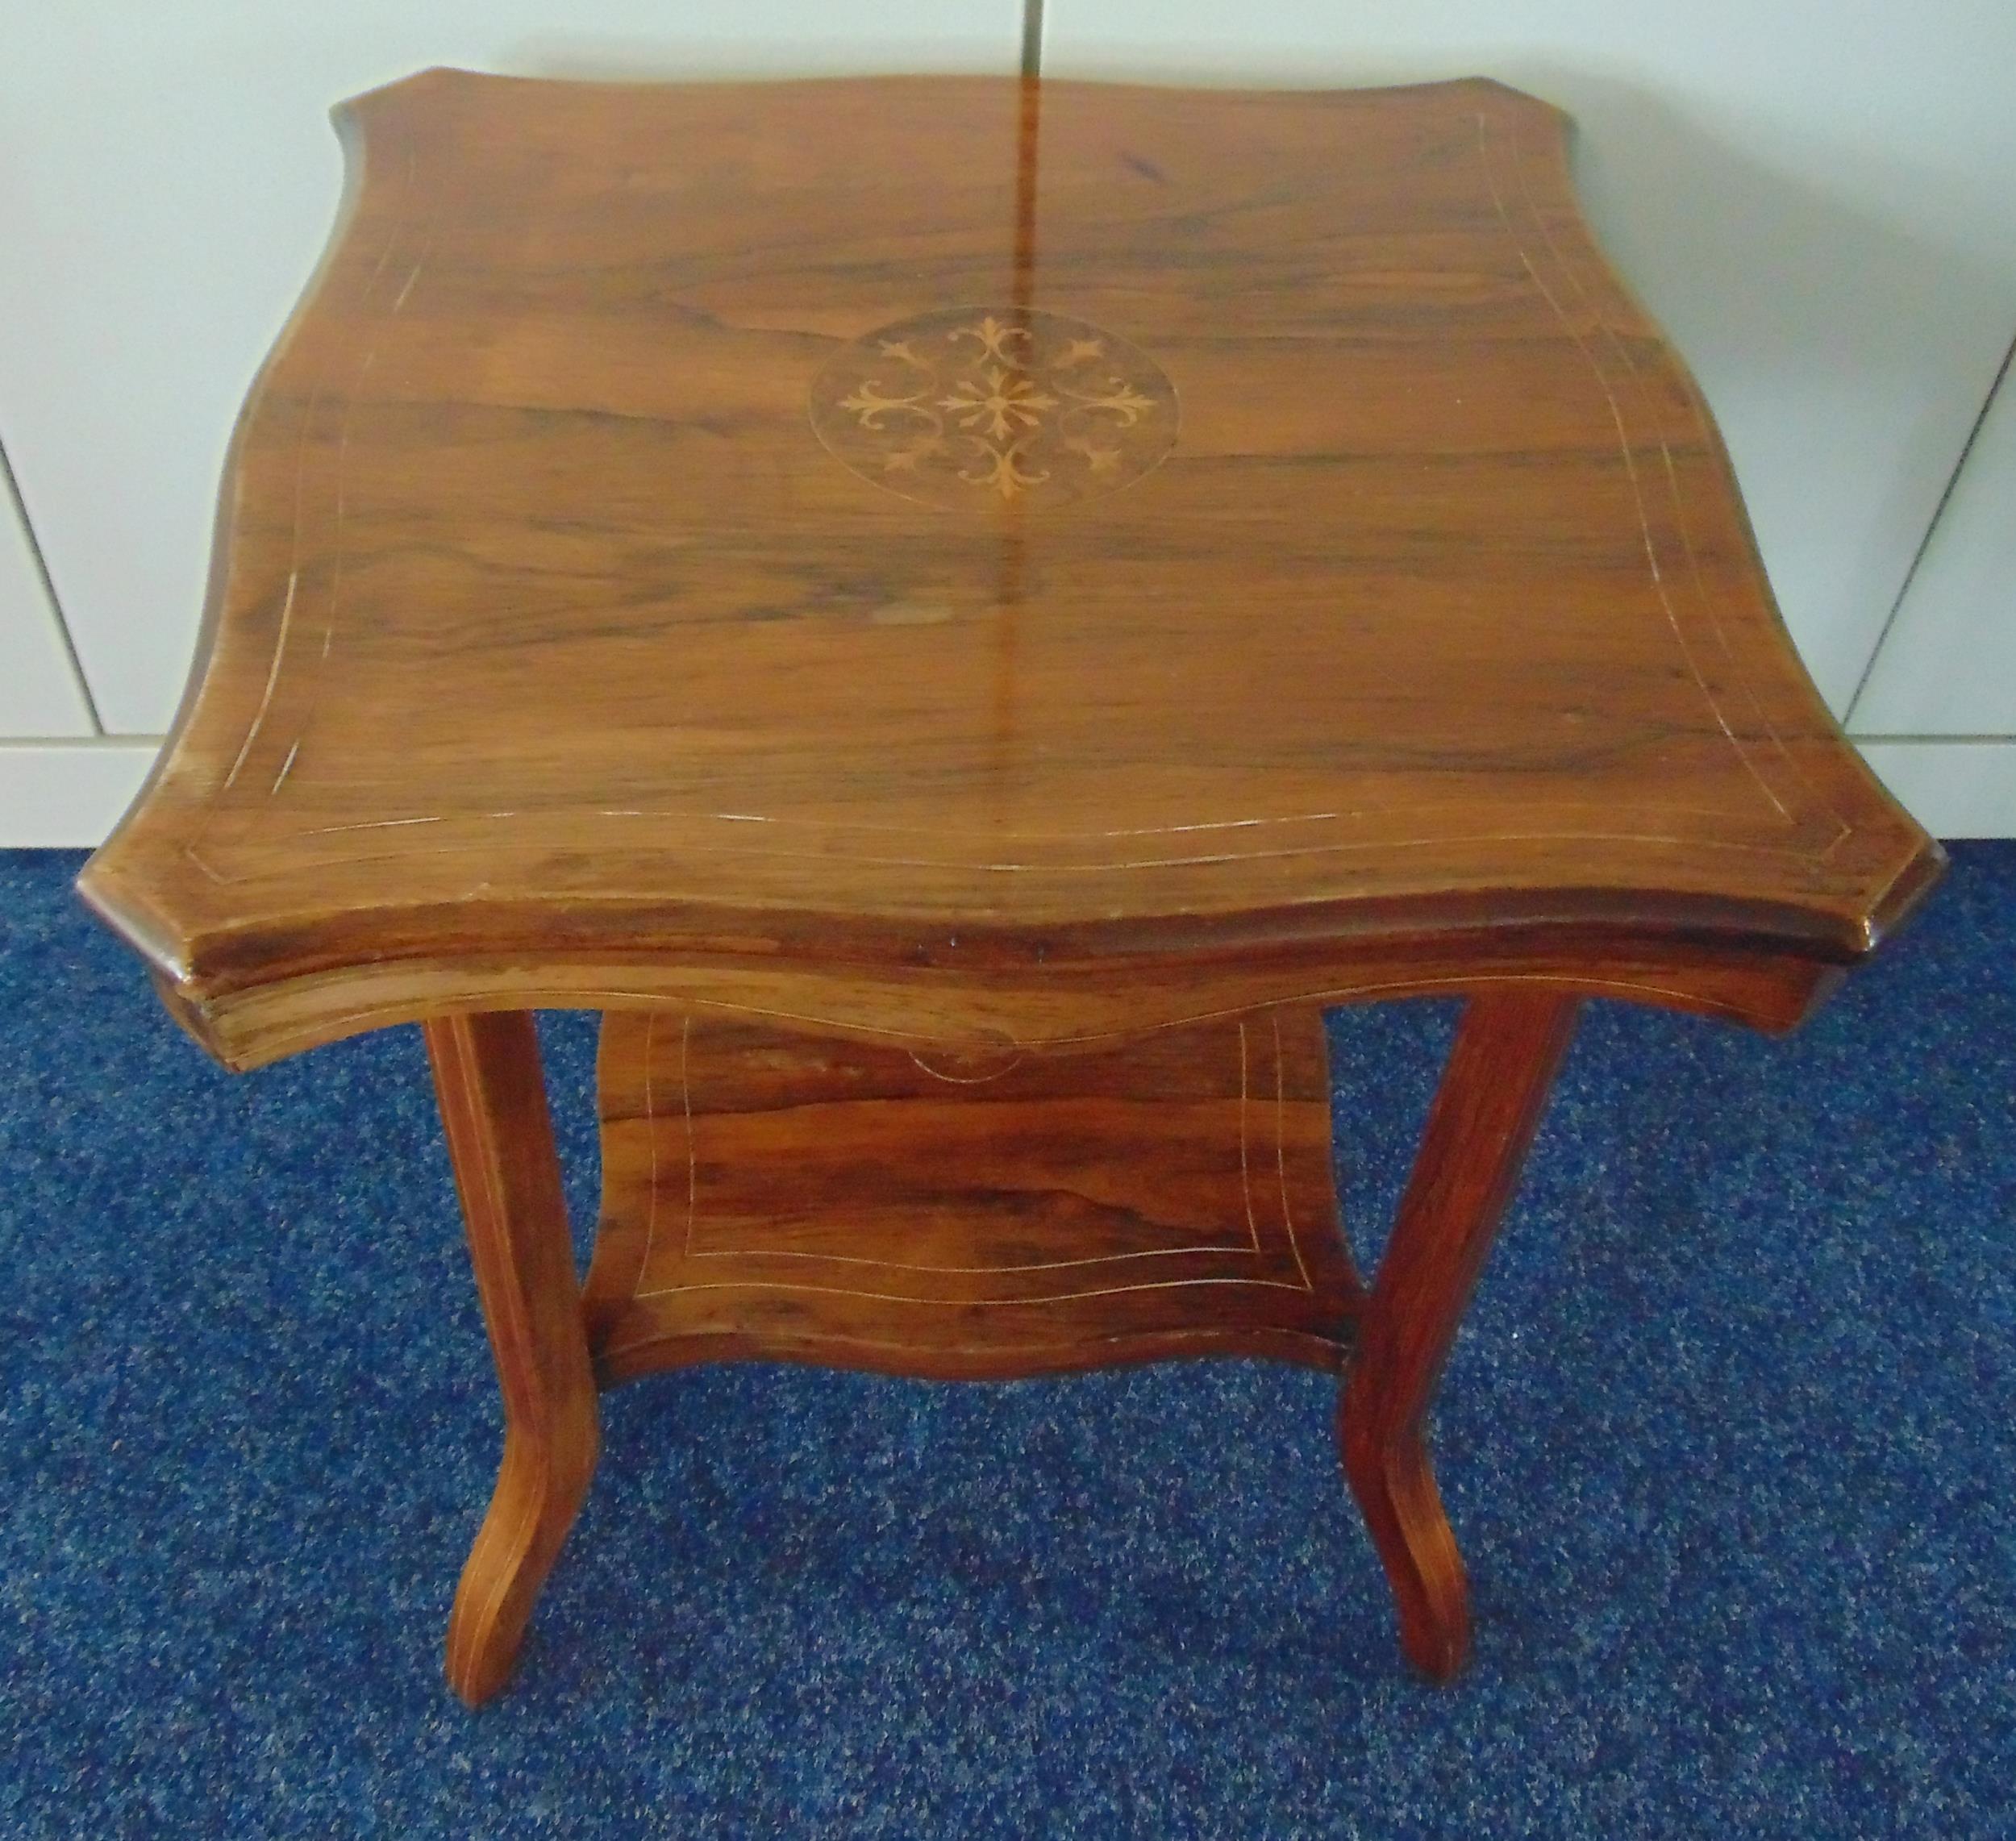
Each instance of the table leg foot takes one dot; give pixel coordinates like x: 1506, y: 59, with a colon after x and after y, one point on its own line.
x: 1489, y: 1106
x: 492, y: 1098
x: 1395, y: 1487
x: 540, y: 1490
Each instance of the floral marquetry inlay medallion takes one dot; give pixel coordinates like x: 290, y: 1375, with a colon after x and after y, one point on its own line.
x: 981, y: 407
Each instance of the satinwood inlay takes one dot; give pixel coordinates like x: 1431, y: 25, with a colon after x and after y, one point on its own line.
x: 817, y: 1198
x: 1008, y: 405
x: 562, y: 596
x: 965, y: 882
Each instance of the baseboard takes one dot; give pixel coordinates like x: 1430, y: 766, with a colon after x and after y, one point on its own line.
x: 1954, y: 788
x: 59, y: 794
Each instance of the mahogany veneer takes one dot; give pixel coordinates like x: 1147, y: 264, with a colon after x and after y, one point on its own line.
x: 961, y: 613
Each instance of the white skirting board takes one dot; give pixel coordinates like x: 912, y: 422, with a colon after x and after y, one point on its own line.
x: 67, y: 794
x: 1955, y: 788
x: 56, y: 794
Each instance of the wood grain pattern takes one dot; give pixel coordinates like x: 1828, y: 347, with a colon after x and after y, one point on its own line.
x: 962, y: 408
x: 964, y: 613
x: 1032, y: 1003
x: 1485, y: 1112
x: 547, y: 636
x: 780, y: 1195
x: 486, y: 1071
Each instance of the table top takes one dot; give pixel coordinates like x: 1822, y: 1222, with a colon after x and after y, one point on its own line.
x: 949, y: 519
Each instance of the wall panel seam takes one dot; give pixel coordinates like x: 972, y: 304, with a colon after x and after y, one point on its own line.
x: 13, y: 497
x: 1925, y: 543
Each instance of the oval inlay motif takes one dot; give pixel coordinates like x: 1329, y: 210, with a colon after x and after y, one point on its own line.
x: 978, y: 406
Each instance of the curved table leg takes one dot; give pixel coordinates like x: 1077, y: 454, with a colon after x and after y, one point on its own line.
x: 1485, y: 1111
x: 486, y: 1071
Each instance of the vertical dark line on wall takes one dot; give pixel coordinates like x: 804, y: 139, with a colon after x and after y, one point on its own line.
x: 1925, y: 543
x: 1031, y: 39
x: 10, y: 496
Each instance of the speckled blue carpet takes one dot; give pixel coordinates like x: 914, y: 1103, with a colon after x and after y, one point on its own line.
x: 1729, y: 1443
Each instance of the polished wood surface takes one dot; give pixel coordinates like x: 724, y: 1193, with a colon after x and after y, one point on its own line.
x: 961, y: 613
x: 486, y: 1071
x: 793, y: 1196
x: 1485, y: 1112
x: 1029, y: 539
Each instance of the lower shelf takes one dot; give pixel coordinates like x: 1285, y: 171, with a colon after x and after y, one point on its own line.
x: 797, y: 1198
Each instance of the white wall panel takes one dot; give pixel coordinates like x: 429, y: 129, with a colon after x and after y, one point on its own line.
x: 1813, y: 196
x: 38, y: 691
x: 1948, y: 666
x: 168, y: 176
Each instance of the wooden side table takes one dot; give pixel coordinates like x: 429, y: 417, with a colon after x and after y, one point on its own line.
x: 960, y: 615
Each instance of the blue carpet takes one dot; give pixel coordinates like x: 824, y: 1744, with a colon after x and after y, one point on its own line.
x: 1728, y: 1443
